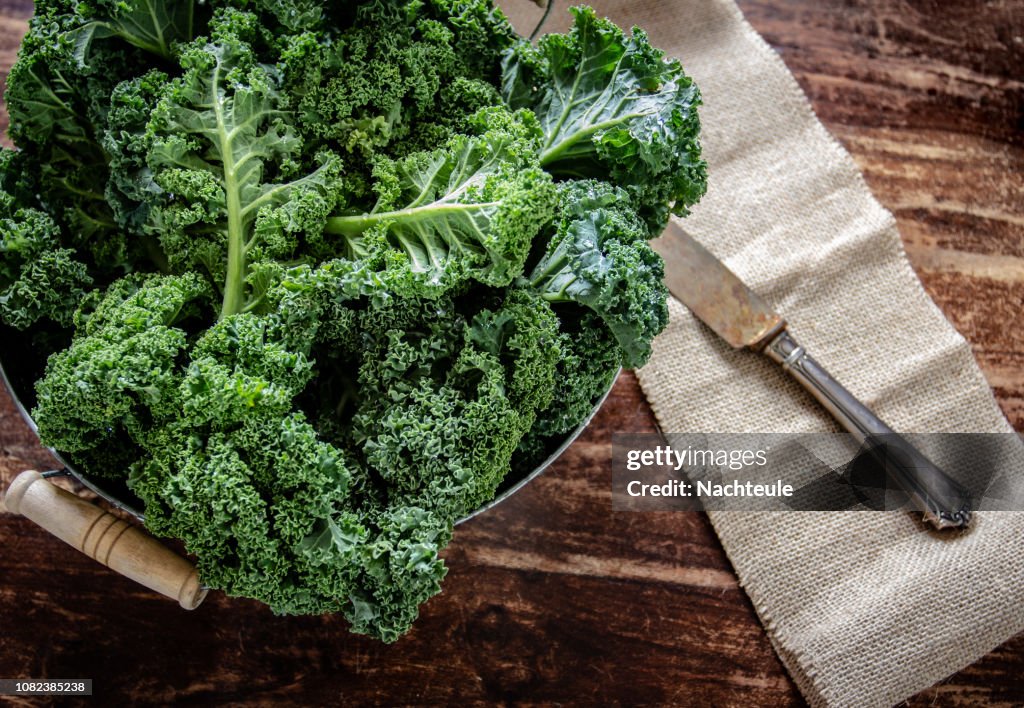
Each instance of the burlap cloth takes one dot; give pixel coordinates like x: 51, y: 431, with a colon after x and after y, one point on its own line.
x: 863, y: 608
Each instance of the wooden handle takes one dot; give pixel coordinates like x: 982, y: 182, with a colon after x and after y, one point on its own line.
x: 120, y: 546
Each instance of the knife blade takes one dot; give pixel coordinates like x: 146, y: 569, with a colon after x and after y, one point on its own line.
x: 743, y: 319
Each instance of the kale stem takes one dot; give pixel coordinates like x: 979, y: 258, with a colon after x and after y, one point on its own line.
x: 355, y: 225
x: 234, y: 284
x: 555, y: 152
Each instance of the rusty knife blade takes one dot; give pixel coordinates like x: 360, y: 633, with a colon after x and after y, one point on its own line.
x: 714, y: 293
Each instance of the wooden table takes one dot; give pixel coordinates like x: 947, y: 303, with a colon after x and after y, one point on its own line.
x: 553, y: 598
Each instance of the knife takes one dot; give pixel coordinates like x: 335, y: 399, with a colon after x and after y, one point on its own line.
x: 736, y: 314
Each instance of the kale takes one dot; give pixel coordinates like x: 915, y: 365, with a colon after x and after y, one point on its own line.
x: 324, y: 272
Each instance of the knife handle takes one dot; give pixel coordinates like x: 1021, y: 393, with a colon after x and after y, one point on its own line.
x: 942, y: 500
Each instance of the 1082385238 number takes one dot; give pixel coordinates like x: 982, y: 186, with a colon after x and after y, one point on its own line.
x: 45, y: 687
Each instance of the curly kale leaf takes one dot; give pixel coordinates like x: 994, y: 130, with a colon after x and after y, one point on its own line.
x: 589, y: 360
x: 599, y: 258
x: 444, y: 401
x: 245, y: 500
x: 120, y: 370
x: 57, y: 109
x: 51, y: 97
x: 130, y: 189
x: 267, y: 509
x: 399, y: 570
x: 612, y: 106
x: 229, y: 190
x: 481, y: 32
x: 58, y: 97
x: 221, y: 458
x: 38, y: 278
x: 385, y: 75
x: 469, y: 210
x: 523, y: 333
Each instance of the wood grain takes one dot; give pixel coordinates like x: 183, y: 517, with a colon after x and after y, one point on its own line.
x: 552, y: 598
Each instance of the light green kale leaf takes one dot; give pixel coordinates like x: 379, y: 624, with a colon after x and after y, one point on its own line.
x: 468, y: 210
x: 229, y: 194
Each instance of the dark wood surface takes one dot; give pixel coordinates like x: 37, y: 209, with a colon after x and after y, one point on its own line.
x: 552, y: 598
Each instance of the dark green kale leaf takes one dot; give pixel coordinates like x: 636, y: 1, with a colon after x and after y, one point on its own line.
x: 153, y: 26
x: 599, y: 258
x: 38, y: 278
x: 613, y: 107
x: 590, y: 359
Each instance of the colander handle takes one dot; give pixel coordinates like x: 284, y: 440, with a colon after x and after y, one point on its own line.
x: 122, y: 547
